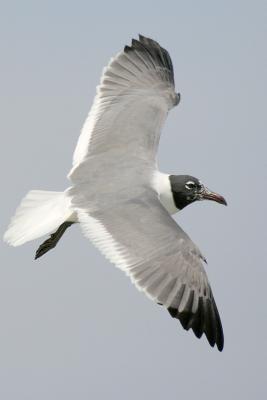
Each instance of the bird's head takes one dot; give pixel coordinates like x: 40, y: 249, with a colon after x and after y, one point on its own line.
x: 186, y: 189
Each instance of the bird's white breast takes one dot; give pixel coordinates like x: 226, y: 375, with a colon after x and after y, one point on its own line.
x: 162, y: 185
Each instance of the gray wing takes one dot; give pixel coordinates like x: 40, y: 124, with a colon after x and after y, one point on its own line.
x: 139, y: 236
x: 132, y: 102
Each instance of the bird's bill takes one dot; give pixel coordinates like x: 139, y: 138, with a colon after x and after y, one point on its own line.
x: 209, y: 195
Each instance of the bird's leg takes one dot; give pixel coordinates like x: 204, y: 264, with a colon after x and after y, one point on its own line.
x: 53, y: 240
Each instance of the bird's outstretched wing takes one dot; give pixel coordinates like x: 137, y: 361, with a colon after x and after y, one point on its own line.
x: 140, y: 237
x: 132, y: 101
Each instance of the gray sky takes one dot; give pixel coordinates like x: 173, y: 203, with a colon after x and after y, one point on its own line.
x: 72, y: 325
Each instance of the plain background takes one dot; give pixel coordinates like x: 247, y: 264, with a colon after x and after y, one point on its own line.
x: 71, y: 325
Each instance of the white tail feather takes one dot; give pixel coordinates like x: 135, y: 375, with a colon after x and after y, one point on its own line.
x: 39, y: 213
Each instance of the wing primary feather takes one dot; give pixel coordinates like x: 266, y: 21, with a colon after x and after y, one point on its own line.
x: 197, y: 324
x: 139, y: 46
x: 210, y: 329
x: 219, y: 329
x: 157, y: 49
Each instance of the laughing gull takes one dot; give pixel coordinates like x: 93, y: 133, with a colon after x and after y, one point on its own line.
x: 120, y: 199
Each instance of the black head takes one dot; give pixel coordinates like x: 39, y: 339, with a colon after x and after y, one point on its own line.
x: 186, y: 189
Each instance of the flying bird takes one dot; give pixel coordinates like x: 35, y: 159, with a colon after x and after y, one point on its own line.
x: 121, y: 200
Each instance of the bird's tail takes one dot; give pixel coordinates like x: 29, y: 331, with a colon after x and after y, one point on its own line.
x: 39, y: 213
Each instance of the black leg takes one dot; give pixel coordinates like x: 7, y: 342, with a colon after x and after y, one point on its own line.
x: 53, y: 240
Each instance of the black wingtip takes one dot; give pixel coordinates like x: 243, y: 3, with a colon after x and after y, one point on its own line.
x: 149, y: 50
x: 147, y: 41
x: 142, y: 38
x: 205, y: 320
x: 127, y: 49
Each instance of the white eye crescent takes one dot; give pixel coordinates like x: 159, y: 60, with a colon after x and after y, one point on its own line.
x: 190, y: 185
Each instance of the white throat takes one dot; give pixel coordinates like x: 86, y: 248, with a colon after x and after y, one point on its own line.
x: 162, y: 185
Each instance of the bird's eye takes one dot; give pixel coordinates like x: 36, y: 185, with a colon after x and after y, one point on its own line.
x: 190, y: 185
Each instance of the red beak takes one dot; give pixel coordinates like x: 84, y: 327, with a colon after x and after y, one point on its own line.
x: 208, y: 195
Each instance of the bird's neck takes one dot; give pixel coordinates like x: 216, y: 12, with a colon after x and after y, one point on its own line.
x: 162, y: 185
